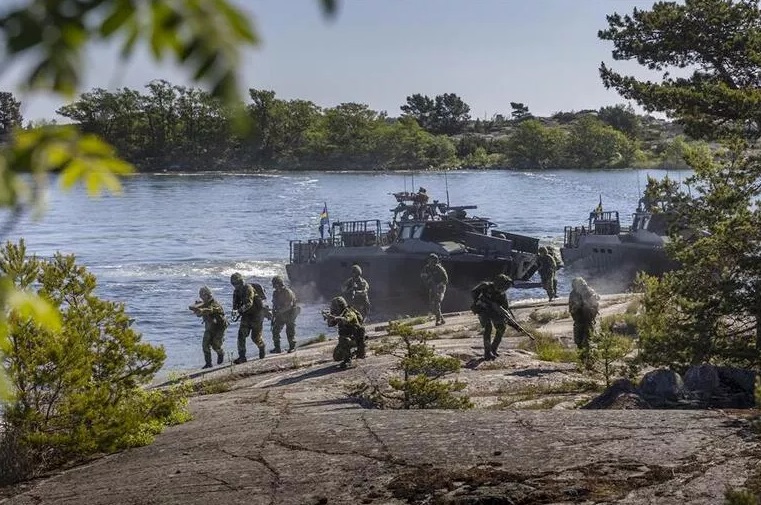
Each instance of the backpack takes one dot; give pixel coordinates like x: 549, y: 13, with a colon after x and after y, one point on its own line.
x: 259, y: 290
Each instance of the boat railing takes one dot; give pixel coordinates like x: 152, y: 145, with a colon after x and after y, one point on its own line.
x: 359, y: 233
x: 572, y: 234
x: 305, y: 251
x: 604, y: 223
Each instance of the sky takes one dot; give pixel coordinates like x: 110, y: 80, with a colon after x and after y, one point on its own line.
x: 543, y: 53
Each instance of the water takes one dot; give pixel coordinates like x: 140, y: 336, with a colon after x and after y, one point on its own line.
x: 169, y: 234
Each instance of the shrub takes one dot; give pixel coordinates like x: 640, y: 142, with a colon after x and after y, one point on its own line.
x: 81, y: 390
x: 421, y: 385
x: 548, y: 348
x: 607, y: 352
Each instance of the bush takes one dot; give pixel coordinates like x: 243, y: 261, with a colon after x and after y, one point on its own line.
x: 549, y: 348
x: 79, y: 391
x: 422, y: 370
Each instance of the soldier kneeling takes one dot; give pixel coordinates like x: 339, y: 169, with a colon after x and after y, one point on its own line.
x: 351, y: 333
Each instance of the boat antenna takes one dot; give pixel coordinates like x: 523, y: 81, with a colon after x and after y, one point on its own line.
x: 404, y: 177
x: 446, y: 185
x: 412, y: 190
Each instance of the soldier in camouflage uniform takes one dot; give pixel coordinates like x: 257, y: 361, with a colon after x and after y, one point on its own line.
x: 351, y: 333
x: 284, y: 313
x: 547, y: 269
x: 250, y: 309
x: 215, y: 324
x: 355, y: 291
x: 490, y: 303
x: 583, y: 304
x: 435, y: 280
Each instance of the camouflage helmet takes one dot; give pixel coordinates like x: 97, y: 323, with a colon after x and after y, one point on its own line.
x: 356, y: 269
x: 204, y: 292
x: 338, y: 304
x: 503, y: 280
x: 277, y: 281
x: 542, y: 250
x: 236, y: 279
x: 421, y: 190
x: 433, y: 257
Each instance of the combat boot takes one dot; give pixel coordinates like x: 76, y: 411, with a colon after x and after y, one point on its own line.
x: 494, y: 350
x: 276, y: 350
x: 239, y: 360
x: 220, y: 358
x: 207, y: 365
x: 291, y: 348
x: 262, y: 353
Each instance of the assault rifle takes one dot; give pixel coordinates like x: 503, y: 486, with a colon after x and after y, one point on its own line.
x: 510, y: 318
x: 196, y: 306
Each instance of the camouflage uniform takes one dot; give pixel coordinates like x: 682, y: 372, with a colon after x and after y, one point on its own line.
x: 215, y: 324
x: 350, y: 331
x: 485, y: 296
x: 435, y: 280
x: 583, y: 304
x: 547, y: 269
x: 251, y: 310
x: 284, y: 313
x: 355, y: 291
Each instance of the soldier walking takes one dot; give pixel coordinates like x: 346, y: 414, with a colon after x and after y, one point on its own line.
x: 356, y: 290
x: 584, y: 305
x: 351, y: 333
x: 284, y: 313
x: 493, y: 309
x: 248, y: 307
x: 435, y: 280
x: 547, y: 269
x: 215, y: 324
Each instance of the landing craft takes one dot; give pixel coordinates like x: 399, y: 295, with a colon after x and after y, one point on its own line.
x: 611, y: 254
x: 393, y: 256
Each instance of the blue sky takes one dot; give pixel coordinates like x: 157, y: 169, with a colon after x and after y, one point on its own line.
x: 544, y: 53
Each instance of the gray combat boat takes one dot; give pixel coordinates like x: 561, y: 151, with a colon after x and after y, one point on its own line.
x: 603, y: 249
x: 393, y: 256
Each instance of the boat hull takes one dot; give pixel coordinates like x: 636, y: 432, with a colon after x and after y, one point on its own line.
x: 395, y: 285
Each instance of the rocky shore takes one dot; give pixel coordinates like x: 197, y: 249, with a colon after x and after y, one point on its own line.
x: 287, y: 430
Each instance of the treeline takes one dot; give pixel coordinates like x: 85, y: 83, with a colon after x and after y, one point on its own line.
x: 175, y: 127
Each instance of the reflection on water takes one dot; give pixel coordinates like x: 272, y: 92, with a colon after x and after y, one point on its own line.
x: 169, y: 234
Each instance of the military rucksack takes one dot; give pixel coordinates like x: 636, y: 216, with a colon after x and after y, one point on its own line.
x: 259, y: 290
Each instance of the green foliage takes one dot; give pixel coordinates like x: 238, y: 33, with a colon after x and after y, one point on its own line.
x: 316, y: 340
x: 446, y: 114
x: 421, y: 385
x: 548, y: 348
x: 740, y: 497
x: 622, y: 118
x: 593, y: 144
x: 545, y: 316
x: 716, y: 39
x: 520, y: 112
x: 607, y: 352
x: 534, y: 146
x: 79, y: 390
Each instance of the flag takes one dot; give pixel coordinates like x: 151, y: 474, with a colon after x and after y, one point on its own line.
x: 324, y: 220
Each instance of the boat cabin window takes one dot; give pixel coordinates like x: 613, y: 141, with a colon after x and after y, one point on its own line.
x: 413, y: 231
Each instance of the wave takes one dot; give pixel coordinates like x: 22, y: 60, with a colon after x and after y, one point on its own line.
x: 194, y: 269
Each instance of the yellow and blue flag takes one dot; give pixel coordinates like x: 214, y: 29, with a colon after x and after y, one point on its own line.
x: 324, y: 220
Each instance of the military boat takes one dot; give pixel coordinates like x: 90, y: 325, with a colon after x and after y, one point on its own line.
x: 392, y: 256
x: 604, y: 250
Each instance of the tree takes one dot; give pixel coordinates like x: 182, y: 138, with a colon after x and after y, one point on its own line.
x: 79, y: 390
x: 533, y: 146
x: 717, y: 40
x: 520, y: 112
x: 593, y: 144
x: 710, y: 308
x: 622, y: 118
x: 10, y: 114
x: 422, y: 108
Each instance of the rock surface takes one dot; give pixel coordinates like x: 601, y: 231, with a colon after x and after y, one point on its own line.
x: 287, y: 432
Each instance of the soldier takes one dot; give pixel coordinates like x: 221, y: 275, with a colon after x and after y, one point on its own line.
x: 284, y: 313
x: 583, y: 304
x: 491, y: 305
x: 351, y: 333
x: 547, y: 269
x: 435, y: 280
x: 249, y: 309
x: 215, y: 324
x: 355, y: 291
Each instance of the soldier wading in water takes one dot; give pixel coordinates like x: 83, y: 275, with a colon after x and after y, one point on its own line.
x: 215, y: 323
x: 249, y: 307
x: 351, y: 333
